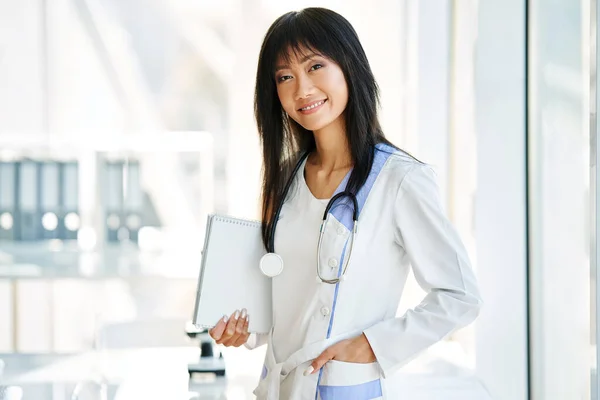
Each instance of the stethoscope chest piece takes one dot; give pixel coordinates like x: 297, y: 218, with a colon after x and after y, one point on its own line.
x: 271, y: 265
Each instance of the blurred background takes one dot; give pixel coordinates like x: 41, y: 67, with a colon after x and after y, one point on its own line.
x: 124, y: 123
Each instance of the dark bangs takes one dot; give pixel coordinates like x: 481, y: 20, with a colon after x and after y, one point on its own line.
x: 301, y: 32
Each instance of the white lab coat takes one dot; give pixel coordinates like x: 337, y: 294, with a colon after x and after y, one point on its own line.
x: 401, y: 224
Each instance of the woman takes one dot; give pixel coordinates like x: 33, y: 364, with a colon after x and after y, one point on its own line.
x: 340, y: 339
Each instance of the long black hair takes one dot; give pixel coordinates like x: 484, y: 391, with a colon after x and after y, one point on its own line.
x: 328, y: 34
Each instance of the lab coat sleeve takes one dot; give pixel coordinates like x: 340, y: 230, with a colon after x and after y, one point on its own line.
x: 441, y: 267
x: 256, y: 340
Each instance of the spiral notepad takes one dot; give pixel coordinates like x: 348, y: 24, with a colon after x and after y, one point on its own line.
x: 230, y: 278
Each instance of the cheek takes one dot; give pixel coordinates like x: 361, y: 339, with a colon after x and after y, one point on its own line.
x: 285, y: 99
x: 344, y: 96
x: 341, y: 94
x: 337, y: 83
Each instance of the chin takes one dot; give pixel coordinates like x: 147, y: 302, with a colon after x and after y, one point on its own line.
x: 313, y: 125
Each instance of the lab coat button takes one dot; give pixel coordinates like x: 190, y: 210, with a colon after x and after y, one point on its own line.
x: 340, y: 231
x: 325, y: 311
x: 333, y: 262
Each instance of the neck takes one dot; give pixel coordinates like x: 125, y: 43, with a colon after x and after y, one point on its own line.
x: 332, y: 149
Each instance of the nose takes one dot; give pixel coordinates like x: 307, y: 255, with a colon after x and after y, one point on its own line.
x: 304, y: 87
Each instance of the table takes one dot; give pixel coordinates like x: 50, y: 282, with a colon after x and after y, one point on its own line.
x: 148, y: 373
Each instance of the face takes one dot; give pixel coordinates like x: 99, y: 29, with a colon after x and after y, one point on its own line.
x: 312, y: 90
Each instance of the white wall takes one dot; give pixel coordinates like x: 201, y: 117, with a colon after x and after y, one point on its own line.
x: 501, y: 198
x: 595, y: 204
x: 247, y: 27
x: 21, y: 61
x: 559, y: 199
x: 434, y: 63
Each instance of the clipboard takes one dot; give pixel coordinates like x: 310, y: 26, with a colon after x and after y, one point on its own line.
x: 230, y: 278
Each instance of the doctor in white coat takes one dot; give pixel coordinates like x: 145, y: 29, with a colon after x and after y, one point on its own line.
x: 328, y: 169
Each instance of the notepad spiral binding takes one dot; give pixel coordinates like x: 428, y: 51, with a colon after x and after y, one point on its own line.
x: 243, y: 222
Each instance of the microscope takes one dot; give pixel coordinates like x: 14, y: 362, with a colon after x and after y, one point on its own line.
x: 211, y: 359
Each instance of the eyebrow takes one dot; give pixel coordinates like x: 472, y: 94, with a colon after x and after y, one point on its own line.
x: 302, y: 61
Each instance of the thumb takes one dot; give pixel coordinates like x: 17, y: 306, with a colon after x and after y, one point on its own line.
x: 318, y: 362
x: 217, y: 331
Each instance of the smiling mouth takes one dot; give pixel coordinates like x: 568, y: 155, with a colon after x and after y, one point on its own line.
x: 313, y: 106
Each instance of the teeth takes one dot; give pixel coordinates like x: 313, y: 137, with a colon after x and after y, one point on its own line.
x: 313, y: 106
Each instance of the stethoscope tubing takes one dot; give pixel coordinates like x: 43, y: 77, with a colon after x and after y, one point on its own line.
x: 330, y: 204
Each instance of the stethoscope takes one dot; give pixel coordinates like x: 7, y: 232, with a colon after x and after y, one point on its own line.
x: 271, y: 264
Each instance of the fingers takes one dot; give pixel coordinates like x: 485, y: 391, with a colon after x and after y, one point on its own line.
x: 228, y: 331
x: 328, y: 355
x: 231, y: 330
x: 217, y: 331
x: 236, y: 330
x: 318, y: 362
x: 243, y: 338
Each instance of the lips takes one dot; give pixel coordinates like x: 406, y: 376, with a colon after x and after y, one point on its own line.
x: 312, y: 106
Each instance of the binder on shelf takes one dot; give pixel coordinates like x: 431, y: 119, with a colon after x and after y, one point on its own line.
x: 113, y: 199
x: 50, y: 200
x: 7, y: 200
x: 133, y: 200
x: 29, y: 225
x: 69, y: 200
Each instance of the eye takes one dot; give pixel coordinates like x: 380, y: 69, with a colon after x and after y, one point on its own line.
x: 316, y: 66
x: 283, y: 78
